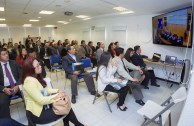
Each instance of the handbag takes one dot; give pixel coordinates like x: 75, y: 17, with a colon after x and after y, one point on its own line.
x: 62, y: 106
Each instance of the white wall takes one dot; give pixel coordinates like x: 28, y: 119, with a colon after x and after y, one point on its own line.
x: 138, y: 32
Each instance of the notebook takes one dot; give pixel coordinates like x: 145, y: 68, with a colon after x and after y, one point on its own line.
x: 78, y: 67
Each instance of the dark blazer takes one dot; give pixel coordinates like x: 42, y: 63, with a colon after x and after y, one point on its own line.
x: 42, y: 52
x: 67, y: 63
x: 54, y: 51
x: 138, y: 60
x: 16, y: 71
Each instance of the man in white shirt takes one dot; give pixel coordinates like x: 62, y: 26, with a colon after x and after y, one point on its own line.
x: 133, y: 77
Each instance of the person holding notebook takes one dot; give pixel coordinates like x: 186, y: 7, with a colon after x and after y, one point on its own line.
x: 67, y: 62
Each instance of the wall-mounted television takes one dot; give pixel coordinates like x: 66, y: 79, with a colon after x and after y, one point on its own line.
x: 174, y: 28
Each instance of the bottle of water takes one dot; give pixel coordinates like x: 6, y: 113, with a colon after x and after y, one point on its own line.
x: 44, y: 93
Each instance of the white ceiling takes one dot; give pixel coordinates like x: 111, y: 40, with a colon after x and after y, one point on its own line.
x: 15, y: 9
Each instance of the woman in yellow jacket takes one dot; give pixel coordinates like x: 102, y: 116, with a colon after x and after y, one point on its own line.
x: 36, y: 102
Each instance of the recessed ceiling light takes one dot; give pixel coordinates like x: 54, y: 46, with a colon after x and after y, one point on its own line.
x: 3, y: 25
x: 39, y: 17
x: 63, y: 22
x: 27, y: 25
x: 127, y: 12
x: 49, y: 25
x: 81, y: 16
x: 33, y: 20
x: 1, y: 8
x: 2, y: 19
x: 120, y: 8
x: 86, y: 18
x: 46, y: 12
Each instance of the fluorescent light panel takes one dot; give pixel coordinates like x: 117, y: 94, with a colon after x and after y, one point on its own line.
x: 27, y: 25
x: 34, y: 20
x: 46, y: 12
x: 49, y: 25
x: 81, y: 16
x: 2, y: 19
x: 1, y: 8
x: 3, y: 25
x: 127, y: 12
x: 120, y: 9
x: 86, y: 18
x: 63, y: 22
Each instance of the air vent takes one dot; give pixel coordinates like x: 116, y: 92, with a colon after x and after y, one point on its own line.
x: 68, y: 13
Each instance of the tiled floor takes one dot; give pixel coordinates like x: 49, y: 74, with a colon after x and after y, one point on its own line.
x: 98, y: 114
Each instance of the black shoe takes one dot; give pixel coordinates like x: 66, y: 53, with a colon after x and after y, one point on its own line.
x: 124, y: 109
x: 73, y: 99
x: 146, y: 87
x: 94, y: 93
x: 140, y: 102
x: 155, y: 85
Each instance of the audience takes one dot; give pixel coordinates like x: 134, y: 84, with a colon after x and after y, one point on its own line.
x: 145, y: 77
x: 111, y: 49
x: 105, y: 76
x: 100, y: 51
x: 138, y: 61
x: 33, y: 84
x: 9, y: 80
x: 67, y: 62
x: 84, y: 50
x: 133, y: 77
x: 56, y: 50
x: 116, y: 44
x: 22, y: 56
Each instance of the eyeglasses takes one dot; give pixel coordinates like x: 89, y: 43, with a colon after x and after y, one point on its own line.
x: 37, y: 66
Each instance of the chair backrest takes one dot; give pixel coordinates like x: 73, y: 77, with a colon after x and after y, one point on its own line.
x: 179, y: 95
x: 87, y: 62
x: 55, y: 59
x: 48, y: 82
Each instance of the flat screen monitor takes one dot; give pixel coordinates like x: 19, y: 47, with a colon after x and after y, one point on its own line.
x: 174, y: 28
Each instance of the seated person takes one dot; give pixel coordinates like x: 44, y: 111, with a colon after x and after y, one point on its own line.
x: 100, y: 51
x: 145, y: 77
x: 22, y: 56
x: 133, y: 77
x: 84, y: 50
x: 33, y: 84
x: 105, y: 76
x: 138, y: 61
x: 111, y: 49
x: 9, y: 78
x: 32, y: 53
x: 67, y: 62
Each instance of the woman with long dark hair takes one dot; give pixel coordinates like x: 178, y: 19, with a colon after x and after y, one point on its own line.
x: 111, y: 49
x: 22, y: 56
x: 144, y: 77
x: 33, y: 85
x: 105, y: 76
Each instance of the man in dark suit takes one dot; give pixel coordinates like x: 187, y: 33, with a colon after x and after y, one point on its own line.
x: 9, y: 80
x: 67, y: 62
x: 138, y: 61
x: 45, y: 53
x: 56, y: 50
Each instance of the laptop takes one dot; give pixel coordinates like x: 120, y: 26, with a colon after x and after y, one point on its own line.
x: 156, y: 57
x: 171, y: 60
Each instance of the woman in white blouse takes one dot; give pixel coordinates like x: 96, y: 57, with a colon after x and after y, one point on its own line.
x: 105, y: 76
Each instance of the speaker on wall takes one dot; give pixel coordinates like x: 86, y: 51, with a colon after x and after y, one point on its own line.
x: 185, y: 72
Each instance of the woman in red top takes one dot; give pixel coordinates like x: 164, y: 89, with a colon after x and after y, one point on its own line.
x: 22, y: 56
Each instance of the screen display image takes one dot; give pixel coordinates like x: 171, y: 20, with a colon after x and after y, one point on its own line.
x: 174, y: 28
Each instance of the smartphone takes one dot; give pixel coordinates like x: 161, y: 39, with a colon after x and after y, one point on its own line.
x: 11, y: 90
